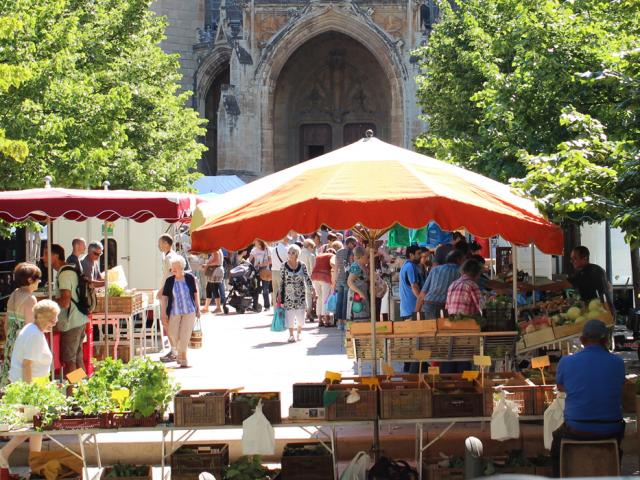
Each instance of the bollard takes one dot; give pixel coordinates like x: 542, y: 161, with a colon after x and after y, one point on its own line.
x: 473, y: 461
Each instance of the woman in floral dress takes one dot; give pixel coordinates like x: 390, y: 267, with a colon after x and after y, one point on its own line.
x: 294, y: 283
x: 26, y: 277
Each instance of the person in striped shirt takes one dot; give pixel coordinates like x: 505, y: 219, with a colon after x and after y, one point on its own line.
x: 463, y: 296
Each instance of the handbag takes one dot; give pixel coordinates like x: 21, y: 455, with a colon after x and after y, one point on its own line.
x: 208, y: 271
x: 387, y: 469
x: 195, y: 341
x: 277, y: 324
x: 265, y: 274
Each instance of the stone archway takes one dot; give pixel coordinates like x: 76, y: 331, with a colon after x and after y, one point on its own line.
x: 358, y: 30
x: 328, y: 93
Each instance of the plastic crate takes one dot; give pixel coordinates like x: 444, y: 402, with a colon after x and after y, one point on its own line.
x: 520, y: 391
x: 457, y: 398
x: 194, y: 408
x: 75, y: 422
x: 240, y: 408
x: 308, y: 395
x: 306, y: 461
x: 364, y: 409
x: 131, y: 420
x: 405, y: 400
x: 189, y: 461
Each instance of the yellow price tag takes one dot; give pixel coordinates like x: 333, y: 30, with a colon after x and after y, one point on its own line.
x: 540, y: 362
x: 387, y: 369
x: 482, y: 360
x: 434, y: 371
x: 422, y: 355
x: 370, y: 381
x: 470, y: 374
x: 40, y: 380
x: 333, y: 376
x: 77, y: 375
x: 120, y: 395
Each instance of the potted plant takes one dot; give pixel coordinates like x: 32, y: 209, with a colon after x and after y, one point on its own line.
x: 46, y: 400
x: 248, y: 467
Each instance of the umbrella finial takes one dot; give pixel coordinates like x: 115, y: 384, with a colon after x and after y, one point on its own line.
x: 106, y: 184
x: 368, y: 134
x: 47, y: 181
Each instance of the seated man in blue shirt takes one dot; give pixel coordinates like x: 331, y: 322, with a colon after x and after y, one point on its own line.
x: 592, y: 380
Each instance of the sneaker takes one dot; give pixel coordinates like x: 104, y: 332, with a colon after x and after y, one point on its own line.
x: 291, y: 339
x: 169, y: 357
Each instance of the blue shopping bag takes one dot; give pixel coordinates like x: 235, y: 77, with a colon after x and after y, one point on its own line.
x: 277, y: 324
x: 332, y: 302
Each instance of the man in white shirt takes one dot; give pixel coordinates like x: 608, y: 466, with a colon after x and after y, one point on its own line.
x: 278, y: 254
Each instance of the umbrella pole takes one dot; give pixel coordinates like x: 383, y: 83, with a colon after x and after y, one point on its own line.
x: 50, y: 283
x: 106, y: 289
x: 514, y: 280
x: 533, y: 273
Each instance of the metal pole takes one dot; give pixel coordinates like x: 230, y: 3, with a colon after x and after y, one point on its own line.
x: 514, y: 262
x: 492, y: 272
x: 50, y: 284
x: 105, y: 250
x: 533, y: 273
x: 372, y: 306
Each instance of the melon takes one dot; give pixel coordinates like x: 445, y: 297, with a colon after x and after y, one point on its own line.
x: 595, y: 304
x: 581, y: 319
x: 593, y: 314
x: 573, y: 313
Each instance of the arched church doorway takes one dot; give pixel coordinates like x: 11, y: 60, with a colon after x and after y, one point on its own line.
x: 212, y: 102
x: 329, y: 92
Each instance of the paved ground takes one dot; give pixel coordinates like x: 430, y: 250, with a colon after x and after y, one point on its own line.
x: 241, y: 350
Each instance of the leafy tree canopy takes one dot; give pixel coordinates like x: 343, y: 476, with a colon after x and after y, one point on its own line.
x: 87, y: 95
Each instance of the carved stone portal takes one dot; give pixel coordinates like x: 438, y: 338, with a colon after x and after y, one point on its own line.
x: 331, y: 88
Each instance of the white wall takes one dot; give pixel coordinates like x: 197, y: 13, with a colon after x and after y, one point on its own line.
x: 594, y: 238
x: 138, y: 252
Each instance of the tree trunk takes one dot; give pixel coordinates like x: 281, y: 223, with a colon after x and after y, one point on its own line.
x: 571, y: 240
x: 635, y: 272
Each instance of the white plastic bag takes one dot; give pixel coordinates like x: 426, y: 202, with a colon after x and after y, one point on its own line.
x: 358, y: 467
x: 553, y: 418
x: 505, y: 421
x: 258, y: 437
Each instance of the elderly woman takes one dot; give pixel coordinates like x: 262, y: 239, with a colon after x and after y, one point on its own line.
x: 358, y: 282
x: 180, y: 304
x: 294, y: 281
x: 31, y: 358
x: 19, y: 310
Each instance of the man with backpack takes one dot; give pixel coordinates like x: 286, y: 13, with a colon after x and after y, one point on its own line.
x: 72, y: 296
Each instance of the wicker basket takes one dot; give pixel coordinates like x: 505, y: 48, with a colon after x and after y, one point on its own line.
x: 306, y: 461
x: 125, y: 304
x: 189, y: 461
x: 364, y: 409
x: 241, y: 409
x: 405, y: 400
x: 193, y: 408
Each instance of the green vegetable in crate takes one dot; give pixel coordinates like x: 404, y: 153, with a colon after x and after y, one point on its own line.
x: 248, y: 468
x: 115, y: 290
x: 47, y: 397
x: 120, y: 470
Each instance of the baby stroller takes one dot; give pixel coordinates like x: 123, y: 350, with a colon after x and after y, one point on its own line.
x: 245, y: 289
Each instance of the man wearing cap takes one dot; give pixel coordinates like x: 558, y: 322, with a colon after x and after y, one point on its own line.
x: 592, y: 380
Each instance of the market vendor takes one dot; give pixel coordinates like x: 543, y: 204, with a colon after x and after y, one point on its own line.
x: 592, y: 380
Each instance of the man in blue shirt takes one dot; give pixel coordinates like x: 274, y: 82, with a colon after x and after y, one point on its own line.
x: 433, y: 296
x: 409, y: 283
x: 592, y: 380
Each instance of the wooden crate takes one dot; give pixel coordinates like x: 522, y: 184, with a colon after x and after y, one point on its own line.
x: 402, y: 348
x: 364, y: 328
x: 362, y: 348
x: 543, y: 396
x: 309, y: 395
x: 124, y: 352
x: 431, y: 471
x: 189, y: 461
x: 457, y: 398
x: 316, y: 464
x: 106, y: 472
x: 193, y: 408
x: 405, y: 400
x: 567, y: 330
x: 520, y: 391
x: 467, y: 325
x: 124, y: 304
x: 539, y: 337
x: 240, y: 409
x: 414, y: 327
x: 365, y: 409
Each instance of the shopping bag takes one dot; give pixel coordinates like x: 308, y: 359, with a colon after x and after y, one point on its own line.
x: 195, y: 341
x: 387, y: 469
x: 553, y: 418
x: 357, y: 468
x: 258, y: 437
x: 505, y: 422
x: 277, y: 324
x: 332, y: 302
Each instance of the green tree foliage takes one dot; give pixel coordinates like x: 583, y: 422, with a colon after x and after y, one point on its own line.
x: 87, y: 95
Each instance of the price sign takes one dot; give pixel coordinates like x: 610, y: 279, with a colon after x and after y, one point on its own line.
x: 387, y: 369
x: 120, y: 396
x: 333, y: 377
x: 370, y: 382
x: 422, y: 355
x: 77, y: 375
x: 470, y: 374
x: 434, y: 371
x: 482, y: 360
x: 540, y: 362
x: 41, y: 380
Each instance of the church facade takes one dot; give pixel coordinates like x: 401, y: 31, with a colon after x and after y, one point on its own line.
x: 281, y: 82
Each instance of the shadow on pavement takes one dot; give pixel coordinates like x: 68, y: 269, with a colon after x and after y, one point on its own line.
x: 270, y: 344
